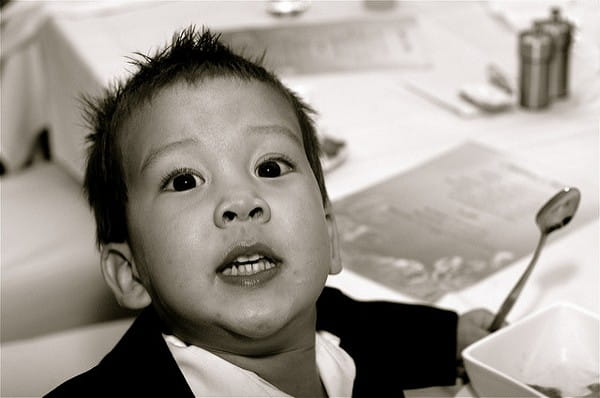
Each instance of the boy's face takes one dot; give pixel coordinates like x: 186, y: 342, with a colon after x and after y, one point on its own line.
x: 226, y: 222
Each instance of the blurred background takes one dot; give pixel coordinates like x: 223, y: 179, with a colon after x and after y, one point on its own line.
x: 440, y: 126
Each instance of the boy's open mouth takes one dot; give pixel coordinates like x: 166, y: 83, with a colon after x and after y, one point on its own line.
x: 245, y: 261
x: 248, y: 265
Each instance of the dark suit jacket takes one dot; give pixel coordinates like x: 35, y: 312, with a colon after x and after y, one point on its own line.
x: 394, y: 347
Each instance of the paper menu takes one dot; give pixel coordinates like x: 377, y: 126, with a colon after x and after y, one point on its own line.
x: 333, y: 46
x: 444, y: 225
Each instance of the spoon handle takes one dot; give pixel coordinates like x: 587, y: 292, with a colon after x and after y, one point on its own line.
x: 516, y: 290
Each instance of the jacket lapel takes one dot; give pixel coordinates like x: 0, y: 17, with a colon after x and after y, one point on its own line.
x: 144, y: 360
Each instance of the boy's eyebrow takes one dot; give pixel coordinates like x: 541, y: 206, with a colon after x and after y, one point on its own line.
x: 275, y: 129
x: 261, y: 129
x: 156, y: 152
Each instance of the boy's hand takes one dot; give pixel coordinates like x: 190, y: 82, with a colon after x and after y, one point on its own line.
x: 472, y: 326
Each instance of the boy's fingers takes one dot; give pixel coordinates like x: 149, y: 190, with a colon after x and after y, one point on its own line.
x: 479, y: 333
x: 485, y: 318
x: 480, y: 317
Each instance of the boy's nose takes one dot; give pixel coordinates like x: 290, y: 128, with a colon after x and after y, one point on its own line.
x: 240, y: 208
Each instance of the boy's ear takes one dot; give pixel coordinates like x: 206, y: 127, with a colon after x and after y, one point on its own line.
x: 121, y: 275
x: 334, y: 241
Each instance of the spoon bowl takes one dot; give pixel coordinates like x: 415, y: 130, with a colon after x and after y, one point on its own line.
x: 559, y: 210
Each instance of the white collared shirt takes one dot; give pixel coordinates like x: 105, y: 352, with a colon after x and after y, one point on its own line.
x: 209, y: 375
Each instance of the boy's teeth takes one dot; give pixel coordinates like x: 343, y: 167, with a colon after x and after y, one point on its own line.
x: 256, y: 267
x: 247, y: 259
x: 248, y: 269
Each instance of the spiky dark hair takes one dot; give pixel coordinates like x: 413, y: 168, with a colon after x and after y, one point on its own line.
x: 192, y: 55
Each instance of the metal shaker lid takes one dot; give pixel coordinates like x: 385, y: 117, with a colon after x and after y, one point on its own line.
x: 535, y: 44
x: 559, y: 28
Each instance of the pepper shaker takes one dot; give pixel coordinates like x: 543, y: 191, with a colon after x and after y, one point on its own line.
x: 561, y: 32
x: 535, y: 51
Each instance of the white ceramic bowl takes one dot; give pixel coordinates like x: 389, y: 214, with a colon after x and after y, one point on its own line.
x: 556, y: 347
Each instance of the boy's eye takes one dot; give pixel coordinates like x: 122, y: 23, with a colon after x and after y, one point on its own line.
x: 273, y: 168
x: 182, y: 182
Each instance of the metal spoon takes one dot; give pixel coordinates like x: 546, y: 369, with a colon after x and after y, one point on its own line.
x: 555, y: 214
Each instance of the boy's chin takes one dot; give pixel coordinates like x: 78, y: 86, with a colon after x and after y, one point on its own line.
x: 274, y: 326
x: 257, y: 329
x: 259, y: 339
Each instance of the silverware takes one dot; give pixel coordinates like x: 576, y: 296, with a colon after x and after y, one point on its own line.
x: 555, y: 214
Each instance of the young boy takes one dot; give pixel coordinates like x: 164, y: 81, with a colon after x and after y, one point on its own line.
x: 213, y: 217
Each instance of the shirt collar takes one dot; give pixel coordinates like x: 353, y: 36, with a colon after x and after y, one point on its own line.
x: 210, y: 375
